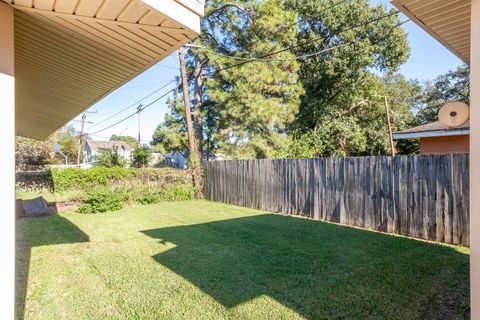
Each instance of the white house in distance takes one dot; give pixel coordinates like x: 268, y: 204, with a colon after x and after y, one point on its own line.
x: 92, y: 148
x: 58, y: 58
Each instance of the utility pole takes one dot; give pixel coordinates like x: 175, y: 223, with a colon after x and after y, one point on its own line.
x: 80, y: 137
x: 389, y: 124
x: 139, y: 109
x: 195, y: 162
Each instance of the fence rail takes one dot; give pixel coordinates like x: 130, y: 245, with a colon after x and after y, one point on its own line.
x: 419, y: 196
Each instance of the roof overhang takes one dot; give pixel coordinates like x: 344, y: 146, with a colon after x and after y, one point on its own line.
x: 430, y: 134
x: 69, y: 54
x: 448, y: 21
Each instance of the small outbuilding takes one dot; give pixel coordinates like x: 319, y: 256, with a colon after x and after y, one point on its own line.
x: 437, y: 138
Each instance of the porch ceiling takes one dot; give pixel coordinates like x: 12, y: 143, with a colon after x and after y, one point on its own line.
x: 71, y: 53
x: 448, y: 21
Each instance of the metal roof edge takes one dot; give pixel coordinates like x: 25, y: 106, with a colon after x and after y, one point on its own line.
x: 430, y: 134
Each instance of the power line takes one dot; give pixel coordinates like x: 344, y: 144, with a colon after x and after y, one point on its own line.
x: 165, y: 66
x: 304, y: 56
x: 132, y: 105
x: 299, y: 45
x: 133, y: 114
x: 140, y: 86
x: 105, y: 137
x: 290, y: 25
x: 253, y: 60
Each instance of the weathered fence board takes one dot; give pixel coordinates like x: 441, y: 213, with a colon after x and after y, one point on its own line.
x: 419, y: 196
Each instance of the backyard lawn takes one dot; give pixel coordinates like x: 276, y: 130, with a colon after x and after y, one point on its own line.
x: 205, y: 260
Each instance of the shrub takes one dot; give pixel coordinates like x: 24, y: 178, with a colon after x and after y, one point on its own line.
x: 141, y: 156
x: 73, y: 178
x: 103, y: 201
x: 87, y: 180
x: 110, y: 158
x: 108, y: 189
x: 169, y: 194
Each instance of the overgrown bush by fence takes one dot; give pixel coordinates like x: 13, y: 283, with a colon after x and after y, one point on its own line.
x: 419, y: 196
x: 105, y: 189
x: 72, y: 178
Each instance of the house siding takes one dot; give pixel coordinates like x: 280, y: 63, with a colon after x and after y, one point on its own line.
x: 442, y: 145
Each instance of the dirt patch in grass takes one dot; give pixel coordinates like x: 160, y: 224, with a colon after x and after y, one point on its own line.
x: 450, y: 296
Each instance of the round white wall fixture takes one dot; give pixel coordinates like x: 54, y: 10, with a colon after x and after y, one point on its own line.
x: 454, y: 114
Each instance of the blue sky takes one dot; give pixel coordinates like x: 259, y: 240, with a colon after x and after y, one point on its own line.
x: 428, y: 60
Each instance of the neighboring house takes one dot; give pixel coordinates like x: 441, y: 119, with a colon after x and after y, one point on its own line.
x: 437, y: 138
x: 179, y: 159
x: 92, y: 148
x: 167, y: 160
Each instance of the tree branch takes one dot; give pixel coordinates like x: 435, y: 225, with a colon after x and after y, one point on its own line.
x: 230, y: 5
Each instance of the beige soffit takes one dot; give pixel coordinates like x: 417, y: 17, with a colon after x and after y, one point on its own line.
x: 448, y: 21
x: 71, y: 53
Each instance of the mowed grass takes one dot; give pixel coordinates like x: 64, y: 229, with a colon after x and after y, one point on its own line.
x: 205, y: 260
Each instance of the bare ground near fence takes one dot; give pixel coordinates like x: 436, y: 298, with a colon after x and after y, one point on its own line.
x: 425, y: 197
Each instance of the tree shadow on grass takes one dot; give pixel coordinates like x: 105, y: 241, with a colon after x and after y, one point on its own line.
x: 319, y: 270
x: 36, y: 232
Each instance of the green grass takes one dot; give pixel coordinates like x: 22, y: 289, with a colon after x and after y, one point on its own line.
x: 49, y: 196
x: 204, y: 260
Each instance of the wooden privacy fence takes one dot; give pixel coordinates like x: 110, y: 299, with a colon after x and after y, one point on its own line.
x: 419, y: 196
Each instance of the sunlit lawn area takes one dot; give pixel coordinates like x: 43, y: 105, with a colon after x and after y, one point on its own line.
x: 204, y: 260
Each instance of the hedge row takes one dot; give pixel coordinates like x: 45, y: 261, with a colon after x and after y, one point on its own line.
x: 109, y: 189
x: 86, y: 180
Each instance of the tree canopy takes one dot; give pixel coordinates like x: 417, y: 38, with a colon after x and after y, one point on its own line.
x: 141, y: 156
x: 301, y: 78
x: 110, y: 158
x: 242, y: 110
x: 171, y: 135
x: 452, y: 86
x: 32, y: 152
x: 131, y: 141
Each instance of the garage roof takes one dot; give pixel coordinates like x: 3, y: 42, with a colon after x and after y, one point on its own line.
x: 434, y: 129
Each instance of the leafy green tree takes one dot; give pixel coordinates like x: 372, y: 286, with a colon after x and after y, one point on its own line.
x: 171, y: 134
x: 253, y: 102
x: 452, y: 86
x: 141, y: 156
x: 348, y: 42
x: 67, y: 139
x: 360, y: 129
x: 320, y: 89
x: 242, y: 110
x: 110, y: 158
x: 131, y: 141
x: 31, y: 152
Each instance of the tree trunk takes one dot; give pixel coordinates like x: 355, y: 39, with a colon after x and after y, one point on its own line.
x: 197, y: 115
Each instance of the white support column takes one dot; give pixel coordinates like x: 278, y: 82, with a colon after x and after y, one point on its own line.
x: 7, y: 163
x: 475, y: 161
